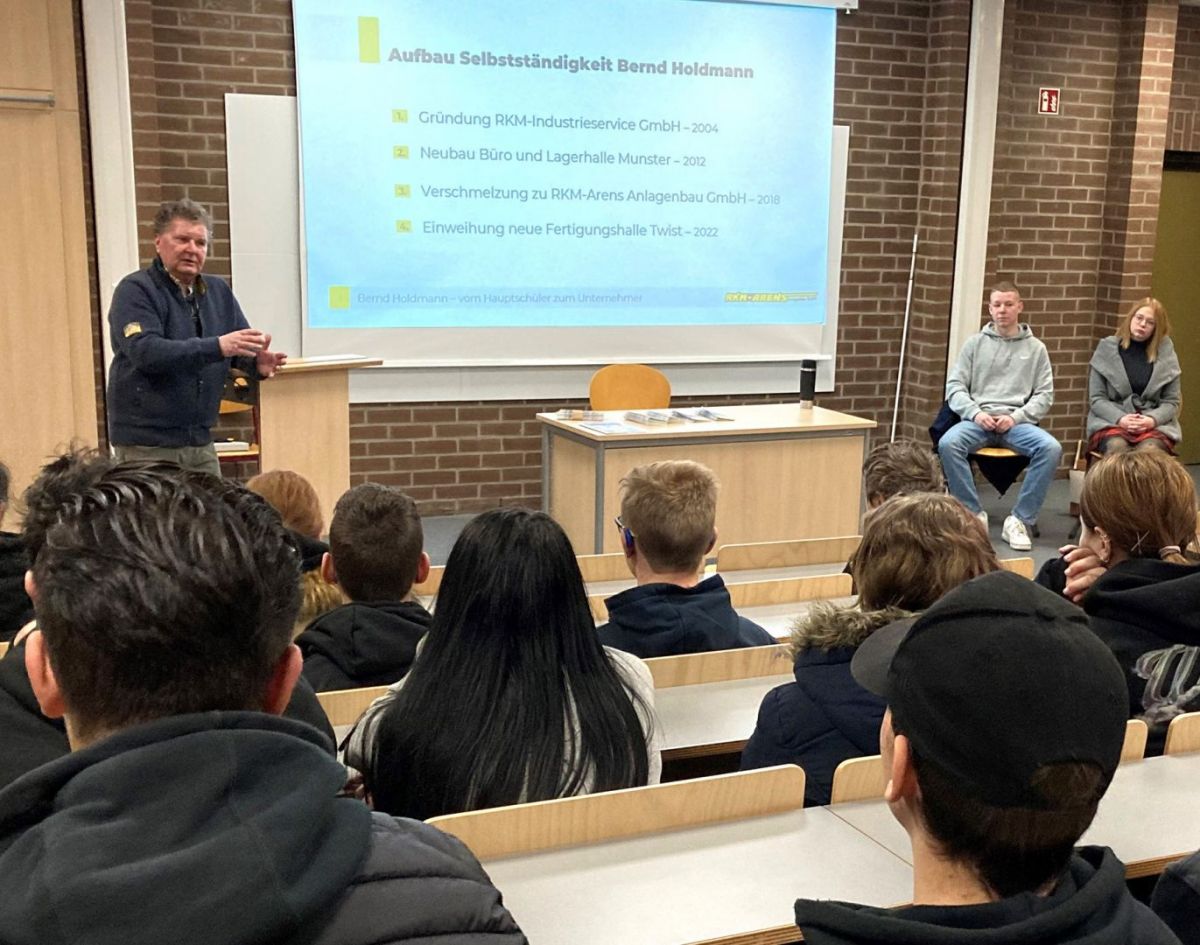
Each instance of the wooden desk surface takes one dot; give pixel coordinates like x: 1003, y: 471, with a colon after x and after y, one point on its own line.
x: 712, y: 718
x: 765, y: 419
x: 718, y: 882
x: 1148, y: 816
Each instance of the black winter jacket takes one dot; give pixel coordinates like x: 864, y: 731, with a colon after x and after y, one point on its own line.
x: 824, y: 717
x: 165, y: 383
x: 16, y: 609
x: 359, y: 645
x: 29, y: 739
x: 226, y: 827
x: 1090, y: 906
x: 667, y: 620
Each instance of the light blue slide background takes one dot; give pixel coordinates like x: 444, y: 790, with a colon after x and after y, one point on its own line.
x: 774, y: 139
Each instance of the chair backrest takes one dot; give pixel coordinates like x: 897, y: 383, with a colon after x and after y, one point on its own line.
x: 1183, y: 734
x: 762, y: 593
x: 629, y: 387
x: 1021, y: 566
x: 345, y: 706
x: 593, y: 818
x: 786, y: 554
x: 1136, y: 733
x: 3, y: 649
x: 858, y: 779
x: 611, y: 567
x: 430, y: 586
x: 692, y: 669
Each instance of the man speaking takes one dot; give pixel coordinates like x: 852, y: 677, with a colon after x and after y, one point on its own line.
x: 173, y: 334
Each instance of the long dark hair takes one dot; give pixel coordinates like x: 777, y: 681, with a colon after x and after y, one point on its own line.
x: 511, y: 669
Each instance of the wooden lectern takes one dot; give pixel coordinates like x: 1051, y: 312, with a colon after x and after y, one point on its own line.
x: 304, y: 423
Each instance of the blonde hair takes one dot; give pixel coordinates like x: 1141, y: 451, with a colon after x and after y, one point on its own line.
x: 670, y: 508
x: 1145, y: 501
x: 917, y: 547
x: 293, y: 497
x: 317, y: 597
x: 1162, y: 327
x: 901, y: 467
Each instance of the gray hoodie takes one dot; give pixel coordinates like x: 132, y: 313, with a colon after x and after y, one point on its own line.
x: 999, y: 375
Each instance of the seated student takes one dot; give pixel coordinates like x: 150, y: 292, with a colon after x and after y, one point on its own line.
x: 1005, y: 722
x: 16, y: 609
x: 376, y: 554
x: 512, y: 698
x: 914, y: 549
x: 187, y: 807
x: 668, y: 511
x: 1176, y: 899
x: 1134, y: 388
x: 29, y: 738
x: 297, y: 502
x: 900, y: 468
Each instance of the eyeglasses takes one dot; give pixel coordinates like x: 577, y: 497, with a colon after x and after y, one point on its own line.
x: 626, y: 535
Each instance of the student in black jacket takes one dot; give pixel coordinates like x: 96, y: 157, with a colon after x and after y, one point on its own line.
x: 667, y: 525
x: 376, y: 553
x: 16, y: 609
x: 995, y: 802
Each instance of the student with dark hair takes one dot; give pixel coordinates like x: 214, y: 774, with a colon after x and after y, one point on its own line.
x: 30, y: 738
x: 667, y: 525
x: 16, y: 609
x: 512, y: 698
x: 914, y: 549
x: 164, y: 604
x: 995, y: 802
x: 376, y: 553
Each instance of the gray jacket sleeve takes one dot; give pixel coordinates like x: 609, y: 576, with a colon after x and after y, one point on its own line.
x: 1100, y: 399
x: 1168, y: 404
x: 1042, y: 398
x: 958, y: 384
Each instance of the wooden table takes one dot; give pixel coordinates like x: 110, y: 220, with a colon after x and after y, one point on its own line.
x: 1148, y: 816
x: 731, y: 882
x: 785, y: 472
x: 712, y: 718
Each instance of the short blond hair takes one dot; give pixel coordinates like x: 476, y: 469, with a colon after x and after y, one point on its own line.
x: 670, y: 508
x: 917, y: 547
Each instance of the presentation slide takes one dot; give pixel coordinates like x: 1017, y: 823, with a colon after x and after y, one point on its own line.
x: 516, y: 164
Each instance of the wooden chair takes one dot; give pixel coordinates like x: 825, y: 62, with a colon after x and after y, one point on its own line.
x: 786, y: 554
x: 629, y: 387
x: 1021, y: 566
x: 3, y: 649
x: 432, y: 584
x: 858, y: 779
x: 1136, y: 733
x: 346, y: 706
x: 1183, y: 734
x: 692, y: 669
x: 612, y: 815
x: 597, y: 568
x: 862, y: 779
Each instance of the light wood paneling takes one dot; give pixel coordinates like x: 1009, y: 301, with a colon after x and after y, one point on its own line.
x: 1136, y: 734
x: 718, y: 666
x: 786, y: 554
x: 26, y: 52
x: 344, y: 706
x: 858, y: 779
x: 597, y: 568
x: 790, y: 590
x: 573, y: 492
x: 1021, y: 566
x: 574, y: 821
x: 1183, y: 734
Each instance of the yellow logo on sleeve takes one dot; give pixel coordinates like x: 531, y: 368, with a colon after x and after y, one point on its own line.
x: 133, y: 328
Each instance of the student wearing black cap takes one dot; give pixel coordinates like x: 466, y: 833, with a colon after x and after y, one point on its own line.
x: 1006, y: 717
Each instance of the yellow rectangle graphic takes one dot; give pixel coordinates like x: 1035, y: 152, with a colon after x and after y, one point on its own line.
x: 339, y: 296
x: 404, y: 226
x: 403, y: 190
x: 368, y: 39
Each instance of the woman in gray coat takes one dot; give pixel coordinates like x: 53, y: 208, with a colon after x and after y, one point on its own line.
x: 1134, y: 384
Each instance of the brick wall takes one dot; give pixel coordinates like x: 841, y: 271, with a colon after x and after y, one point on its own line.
x: 1185, y: 83
x: 900, y: 86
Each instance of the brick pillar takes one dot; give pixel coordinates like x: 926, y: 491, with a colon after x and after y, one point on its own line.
x: 1141, y: 114
x: 949, y: 24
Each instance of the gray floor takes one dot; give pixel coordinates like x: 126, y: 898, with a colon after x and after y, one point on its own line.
x: 1056, y: 524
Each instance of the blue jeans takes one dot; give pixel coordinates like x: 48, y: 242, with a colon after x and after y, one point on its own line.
x: 1028, y: 439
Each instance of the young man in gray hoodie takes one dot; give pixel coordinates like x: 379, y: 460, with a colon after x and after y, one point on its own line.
x: 1001, y: 387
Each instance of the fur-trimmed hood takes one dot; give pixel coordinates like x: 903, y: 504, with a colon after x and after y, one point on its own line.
x: 827, y: 626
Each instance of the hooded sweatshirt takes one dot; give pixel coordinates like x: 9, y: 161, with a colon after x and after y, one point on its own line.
x: 224, y: 827
x: 1000, y: 375
x: 1143, y: 605
x: 29, y: 739
x: 358, y: 645
x: 16, y: 609
x: 1176, y: 899
x: 667, y: 620
x: 824, y: 717
x: 1090, y: 906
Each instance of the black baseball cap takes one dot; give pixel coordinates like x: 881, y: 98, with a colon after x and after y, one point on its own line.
x: 995, y: 680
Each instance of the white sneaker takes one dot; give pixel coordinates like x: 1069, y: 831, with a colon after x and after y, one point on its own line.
x: 1016, y: 534
x: 983, y: 519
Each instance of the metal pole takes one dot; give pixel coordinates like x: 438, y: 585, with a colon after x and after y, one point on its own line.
x: 912, y: 271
